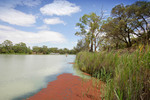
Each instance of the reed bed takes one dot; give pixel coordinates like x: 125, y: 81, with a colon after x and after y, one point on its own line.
x: 127, y: 75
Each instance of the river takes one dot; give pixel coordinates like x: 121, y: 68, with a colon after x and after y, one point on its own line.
x: 22, y: 76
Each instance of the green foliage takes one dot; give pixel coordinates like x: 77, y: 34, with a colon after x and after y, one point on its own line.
x: 82, y: 45
x: 97, y: 63
x: 7, y: 47
x: 127, y: 75
x: 129, y: 24
x: 89, y: 29
x: 36, y: 49
x: 20, y: 48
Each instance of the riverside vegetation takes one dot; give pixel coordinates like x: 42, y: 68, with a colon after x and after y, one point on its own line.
x: 123, y: 57
x: 7, y: 47
x: 127, y: 75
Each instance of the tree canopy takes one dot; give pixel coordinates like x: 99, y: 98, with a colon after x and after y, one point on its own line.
x: 89, y: 29
x: 128, y: 25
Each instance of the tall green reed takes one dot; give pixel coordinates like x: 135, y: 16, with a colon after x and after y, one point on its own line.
x: 127, y: 76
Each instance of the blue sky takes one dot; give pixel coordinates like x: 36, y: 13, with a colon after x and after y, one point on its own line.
x: 48, y: 22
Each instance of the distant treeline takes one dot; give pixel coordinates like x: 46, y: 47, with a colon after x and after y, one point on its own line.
x: 7, y: 47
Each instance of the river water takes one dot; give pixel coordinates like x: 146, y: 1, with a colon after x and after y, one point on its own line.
x: 22, y: 76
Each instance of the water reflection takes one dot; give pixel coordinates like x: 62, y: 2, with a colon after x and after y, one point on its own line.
x: 24, y: 75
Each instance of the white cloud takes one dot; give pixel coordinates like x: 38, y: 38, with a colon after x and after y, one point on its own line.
x: 43, y: 27
x: 55, y: 20
x: 60, y: 7
x: 16, y: 17
x: 14, y: 3
x: 9, y: 14
x: 16, y: 36
x: 31, y: 2
x: 2, y: 27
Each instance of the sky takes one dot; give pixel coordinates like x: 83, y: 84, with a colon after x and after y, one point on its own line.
x: 48, y: 22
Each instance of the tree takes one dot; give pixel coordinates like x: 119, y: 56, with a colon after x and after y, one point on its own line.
x: 36, y: 49
x: 1, y: 48
x: 20, y: 48
x: 121, y: 27
x: 122, y: 23
x: 89, y: 29
x: 66, y: 50
x: 7, y: 46
x: 139, y: 12
x: 7, y: 43
x: 82, y: 45
x: 29, y: 51
x: 115, y: 32
x: 45, y: 49
x: 53, y: 50
x: 73, y: 51
x: 61, y: 51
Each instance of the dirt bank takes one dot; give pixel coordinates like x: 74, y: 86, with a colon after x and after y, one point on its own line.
x: 70, y: 87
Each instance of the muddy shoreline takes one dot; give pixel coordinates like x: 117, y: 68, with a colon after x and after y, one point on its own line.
x: 70, y: 87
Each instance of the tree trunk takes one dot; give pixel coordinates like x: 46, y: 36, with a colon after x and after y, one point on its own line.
x: 148, y: 35
x: 91, y: 50
x: 95, y: 47
x: 129, y: 40
x: 92, y: 40
x: 129, y: 43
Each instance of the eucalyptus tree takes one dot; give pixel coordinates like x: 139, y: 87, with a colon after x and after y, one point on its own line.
x: 139, y: 12
x: 122, y: 23
x: 134, y: 19
x: 89, y: 29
